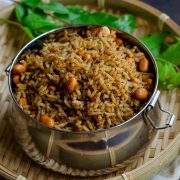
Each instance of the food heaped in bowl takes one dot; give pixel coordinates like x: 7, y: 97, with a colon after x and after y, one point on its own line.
x: 83, y: 79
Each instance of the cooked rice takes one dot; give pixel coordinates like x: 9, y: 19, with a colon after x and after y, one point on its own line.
x: 104, y: 96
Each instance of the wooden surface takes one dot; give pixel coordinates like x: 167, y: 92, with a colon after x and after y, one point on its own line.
x: 14, y: 163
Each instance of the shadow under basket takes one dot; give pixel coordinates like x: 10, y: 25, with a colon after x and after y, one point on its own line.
x: 161, y: 148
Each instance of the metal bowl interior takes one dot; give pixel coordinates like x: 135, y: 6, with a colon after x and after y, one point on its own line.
x: 37, y: 43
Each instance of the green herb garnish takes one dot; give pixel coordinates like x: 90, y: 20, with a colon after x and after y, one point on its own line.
x: 172, y: 53
x: 154, y: 42
x: 40, y: 17
x: 167, y: 58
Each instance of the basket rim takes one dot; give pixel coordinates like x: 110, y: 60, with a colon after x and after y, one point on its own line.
x: 172, y: 146
x: 175, y: 28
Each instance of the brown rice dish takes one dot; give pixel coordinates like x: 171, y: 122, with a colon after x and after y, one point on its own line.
x: 82, y: 80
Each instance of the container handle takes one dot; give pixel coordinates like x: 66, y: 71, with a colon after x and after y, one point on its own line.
x: 170, y: 119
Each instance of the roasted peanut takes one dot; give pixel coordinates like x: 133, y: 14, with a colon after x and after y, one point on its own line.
x: 47, y: 120
x: 149, y: 83
x: 143, y: 65
x: 72, y: 83
x: 87, y: 56
x: 23, y: 101
x: 18, y: 69
x: 141, y: 94
x: 105, y: 31
x: 16, y: 79
x: 119, y: 41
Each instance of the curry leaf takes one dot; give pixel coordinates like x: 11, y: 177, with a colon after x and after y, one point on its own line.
x: 126, y: 23
x: 167, y: 57
x: 20, y: 12
x: 54, y: 7
x: 77, y: 10
x: 172, y: 53
x: 31, y: 2
x: 176, y: 80
x: 34, y: 21
x: 74, y: 12
x: 82, y: 19
x: 168, y: 75
x: 65, y: 17
x: 154, y: 42
x: 28, y: 32
x: 37, y: 12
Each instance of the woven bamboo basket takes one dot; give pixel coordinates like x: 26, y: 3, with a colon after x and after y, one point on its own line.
x: 161, y: 150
